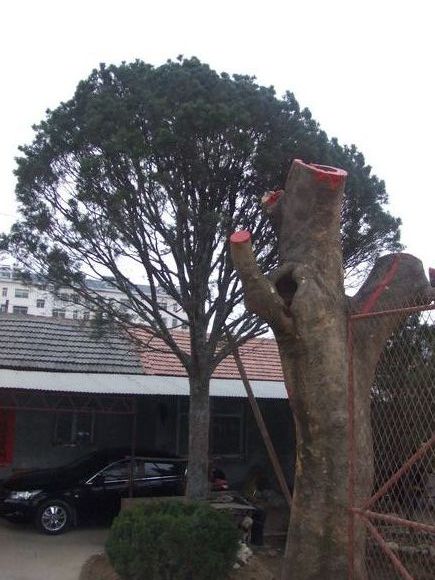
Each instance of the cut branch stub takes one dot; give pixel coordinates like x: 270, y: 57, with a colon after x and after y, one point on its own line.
x: 310, y: 209
x: 306, y: 216
x: 395, y: 281
x: 332, y: 177
x: 261, y: 296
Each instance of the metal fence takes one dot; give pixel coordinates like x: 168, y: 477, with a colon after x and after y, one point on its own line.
x: 399, y: 516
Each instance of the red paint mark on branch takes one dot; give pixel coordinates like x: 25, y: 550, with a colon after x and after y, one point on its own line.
x: 271, y: 197
x: 374, y: 296
x: 240, y: 237
x: 332, y: 177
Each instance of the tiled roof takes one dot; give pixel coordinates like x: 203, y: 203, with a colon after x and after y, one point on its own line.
x: 41, y: 343
x: 50, y: 344
x: 260, y: 357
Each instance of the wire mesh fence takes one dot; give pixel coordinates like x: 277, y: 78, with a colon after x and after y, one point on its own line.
x: 399, y: 515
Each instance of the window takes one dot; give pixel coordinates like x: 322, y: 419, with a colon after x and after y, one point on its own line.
x: 226, y: 435
x: 40, y: 303
x: 20, y: 309
x: 74, y: 428
x: 21, y: 293
x: 75, y: 298
x: 58, y: 313
x: 119, y: 471
x: 162, y: 305
x: 174, y: 322
x: 160, y: 470
x: 7, y: 436
x: 86, y: 315
x: 4, y: 292
x: 227, y: 428
x: 3, y: 307
x: 75, y: 314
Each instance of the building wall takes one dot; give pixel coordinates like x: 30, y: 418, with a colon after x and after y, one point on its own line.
x: 158, y: 428
x: 41, y: 302
x: 255, y: 462
x: 35, y: 446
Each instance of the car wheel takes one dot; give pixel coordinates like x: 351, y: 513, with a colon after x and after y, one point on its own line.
x: 54, y: 517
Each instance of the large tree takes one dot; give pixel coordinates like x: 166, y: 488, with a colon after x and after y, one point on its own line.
x: 151, y: 168
x: 329, y: 365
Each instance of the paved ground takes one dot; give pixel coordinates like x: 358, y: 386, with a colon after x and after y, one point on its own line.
x: 25, y: 554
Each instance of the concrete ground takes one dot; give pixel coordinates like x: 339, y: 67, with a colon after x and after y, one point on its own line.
x: 26, y: 554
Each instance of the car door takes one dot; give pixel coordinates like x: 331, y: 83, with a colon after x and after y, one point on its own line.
x: 162, y: 477
x: 111, y: 484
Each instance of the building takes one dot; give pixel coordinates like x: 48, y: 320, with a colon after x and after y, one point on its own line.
x: 63, y: 393
x: 39, y: 299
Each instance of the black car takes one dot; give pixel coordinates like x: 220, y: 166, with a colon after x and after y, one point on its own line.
x: 88, y: 488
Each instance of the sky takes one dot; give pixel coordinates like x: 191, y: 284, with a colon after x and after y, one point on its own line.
x: 364, y: 68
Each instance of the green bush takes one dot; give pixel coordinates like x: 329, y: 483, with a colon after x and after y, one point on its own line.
x: 172, y: 541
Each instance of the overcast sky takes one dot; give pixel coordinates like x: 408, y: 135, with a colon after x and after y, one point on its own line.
x: 365, y: 70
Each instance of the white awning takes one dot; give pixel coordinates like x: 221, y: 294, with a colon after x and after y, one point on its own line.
x: 111, y: 384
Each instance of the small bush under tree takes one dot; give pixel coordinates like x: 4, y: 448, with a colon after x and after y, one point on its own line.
x: 172, y: 541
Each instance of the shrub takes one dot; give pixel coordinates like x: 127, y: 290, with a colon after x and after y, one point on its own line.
x: 172, y: 541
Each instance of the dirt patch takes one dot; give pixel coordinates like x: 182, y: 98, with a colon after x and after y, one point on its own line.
x: 260, y: 567
x: 98, y: 567
x: 265, y: 564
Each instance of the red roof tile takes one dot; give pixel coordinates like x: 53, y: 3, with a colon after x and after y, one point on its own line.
x: 260, y: 357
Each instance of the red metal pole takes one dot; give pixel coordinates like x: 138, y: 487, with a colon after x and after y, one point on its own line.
x: 406, y: 310
x: 396, y: 476
x: 351, y: 461
x: 419, y: 526
x: 400, y: 568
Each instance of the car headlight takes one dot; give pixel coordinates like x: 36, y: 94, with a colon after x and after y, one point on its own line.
x: 24, y: 494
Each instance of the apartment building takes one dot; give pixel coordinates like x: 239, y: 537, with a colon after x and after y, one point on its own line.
x: 38, y: 299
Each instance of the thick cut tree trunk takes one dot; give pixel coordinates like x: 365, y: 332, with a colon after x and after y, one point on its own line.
x: 305, y: 305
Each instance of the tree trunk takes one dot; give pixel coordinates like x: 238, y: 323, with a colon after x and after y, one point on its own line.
x: 304, y: 303
x: 199, y: 424
x: 317, y: 539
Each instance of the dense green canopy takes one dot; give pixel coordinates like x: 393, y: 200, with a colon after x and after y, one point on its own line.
x: 149, y: 170
x: 179, y: 142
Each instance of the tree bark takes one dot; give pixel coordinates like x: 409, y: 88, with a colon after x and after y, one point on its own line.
x: 199, y: 416
x: 396, y: 281
x: 199, y: 422
x: 304, y: 303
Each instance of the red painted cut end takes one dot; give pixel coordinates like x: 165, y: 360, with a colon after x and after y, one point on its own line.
x: 240, y: 237
x: 432, y: 277
x: 271, y: 197
x: 333, y: 177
